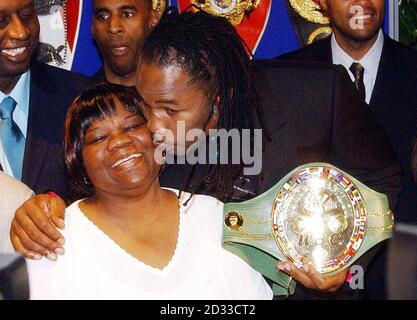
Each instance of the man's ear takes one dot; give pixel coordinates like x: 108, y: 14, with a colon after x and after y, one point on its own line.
x: 215, y: 115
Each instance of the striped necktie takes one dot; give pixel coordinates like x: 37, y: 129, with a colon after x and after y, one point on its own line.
x: 357, y: 70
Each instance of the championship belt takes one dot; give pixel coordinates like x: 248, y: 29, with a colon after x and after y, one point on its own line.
x: 317, y: 213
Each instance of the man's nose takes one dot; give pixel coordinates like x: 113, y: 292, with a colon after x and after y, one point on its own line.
x: 155, y: 123
x: 17, y: 29
x: 115, y: 25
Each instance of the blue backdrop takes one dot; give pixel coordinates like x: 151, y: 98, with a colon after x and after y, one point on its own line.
x: 278, y: 38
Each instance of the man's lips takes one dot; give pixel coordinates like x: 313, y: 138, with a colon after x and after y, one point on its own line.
x: 119, y: 50
x: 363, y: 14
x: 18, y: 54
x: 126, y: 159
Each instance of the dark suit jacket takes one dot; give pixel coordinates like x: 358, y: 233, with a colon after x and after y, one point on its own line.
x: 394, y: 103
x: 51, y: 92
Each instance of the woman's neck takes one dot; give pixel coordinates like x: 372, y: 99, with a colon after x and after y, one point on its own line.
x: 139, y: 208
x: 136, y: 223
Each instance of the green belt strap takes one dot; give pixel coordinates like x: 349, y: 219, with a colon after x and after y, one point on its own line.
x: 254, y: 241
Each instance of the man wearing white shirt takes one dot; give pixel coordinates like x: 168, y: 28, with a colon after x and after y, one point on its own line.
x: 19, y: 94
x: 387, y: 72
x: 369, y: 62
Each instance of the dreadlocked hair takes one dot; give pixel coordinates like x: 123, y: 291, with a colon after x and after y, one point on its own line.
x: 218, y: 62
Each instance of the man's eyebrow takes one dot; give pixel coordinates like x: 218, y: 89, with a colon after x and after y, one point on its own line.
x: 168, y: 101
x: 100, y: 10
x: 128, y: 7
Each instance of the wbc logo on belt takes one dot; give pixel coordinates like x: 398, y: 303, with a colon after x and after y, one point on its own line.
x: 250, y: 17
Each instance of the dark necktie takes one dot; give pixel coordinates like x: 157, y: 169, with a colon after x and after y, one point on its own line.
x: 357, y: 70
x: 11, y: 137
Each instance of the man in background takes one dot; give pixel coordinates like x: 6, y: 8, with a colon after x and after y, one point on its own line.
x: 33, y: 102
x: 119, y: 28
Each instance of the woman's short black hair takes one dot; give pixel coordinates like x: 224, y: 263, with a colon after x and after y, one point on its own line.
x: 94, y: 103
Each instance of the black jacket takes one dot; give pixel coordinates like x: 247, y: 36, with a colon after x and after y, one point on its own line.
x: 51, y: 92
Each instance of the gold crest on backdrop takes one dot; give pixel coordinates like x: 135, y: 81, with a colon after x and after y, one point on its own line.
x: 233, y: 10
x: 159, y: 5
x: 310, y: 10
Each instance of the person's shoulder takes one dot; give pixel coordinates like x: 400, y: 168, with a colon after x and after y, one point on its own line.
x: 75, y: 222
x: 74, y: 207
x: 204, y: 203
x: 285, y: 64
x: 403, y: 53
x: 9, y: 183
x: 295, y: 73
x: 42, y: 71
x: 319, y: 50
x: 80, y: 233
x: 204, y: 211
x: 73, y: 213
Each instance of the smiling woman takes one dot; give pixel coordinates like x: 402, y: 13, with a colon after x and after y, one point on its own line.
x: 130, y: 238
x: 104, y: 118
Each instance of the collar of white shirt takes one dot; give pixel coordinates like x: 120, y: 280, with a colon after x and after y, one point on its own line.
x: 370, y: 61
x: 20, y: 94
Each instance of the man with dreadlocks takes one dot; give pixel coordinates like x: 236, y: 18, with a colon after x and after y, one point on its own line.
x: 195, y: 70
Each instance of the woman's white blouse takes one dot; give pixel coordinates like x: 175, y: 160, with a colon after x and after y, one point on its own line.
x: 95, y: 267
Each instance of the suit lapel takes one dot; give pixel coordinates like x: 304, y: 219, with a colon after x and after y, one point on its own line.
x: 37, y: 146
x: 384, y: 75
